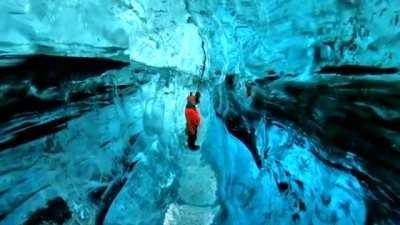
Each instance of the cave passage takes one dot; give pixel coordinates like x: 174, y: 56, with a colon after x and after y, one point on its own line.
x: 300, y: 112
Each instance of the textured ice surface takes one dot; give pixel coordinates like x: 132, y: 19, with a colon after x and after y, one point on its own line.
x: 169, y: 184
x: 112, y: 144
x: 152, y: 32
x: 293, y: 188
x: 252, y: 37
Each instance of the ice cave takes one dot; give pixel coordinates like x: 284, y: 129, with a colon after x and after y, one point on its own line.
x: 296, y: 112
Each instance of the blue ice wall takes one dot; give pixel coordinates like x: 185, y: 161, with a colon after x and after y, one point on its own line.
x: 250, y: 38
x: 92, y: 125
x: 169, y: 184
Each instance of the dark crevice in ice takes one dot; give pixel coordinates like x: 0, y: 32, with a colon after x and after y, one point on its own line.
x: 20, y: 101
x: 35, y: 132
x: 357, y: 70
x: 108, y: 199
x: 237, y: 119
x: 56, y: 211
x: 20, y: 201
x: 46, y: 70
x: 357, y: 114
x: 109, y: 194
x: 235, y: 126
x: 24, y: 103
x: 41, y: 82
x: 203, y: 65
x: 32, y: 128
x: 96, y: 194
x: 40, y: 85
x: 376, y: 212
x: 351, y: 116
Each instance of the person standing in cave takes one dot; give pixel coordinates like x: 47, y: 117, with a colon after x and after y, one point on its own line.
x: 192, y: 120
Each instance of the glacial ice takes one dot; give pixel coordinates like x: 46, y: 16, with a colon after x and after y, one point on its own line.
x: 169, y: 184
x: 299, y: 112
x: 153, y: 32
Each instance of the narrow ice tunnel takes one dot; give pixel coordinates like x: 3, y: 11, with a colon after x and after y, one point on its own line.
x: 299, y: 106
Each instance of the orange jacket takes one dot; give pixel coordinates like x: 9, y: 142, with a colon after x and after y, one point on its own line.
x: 192, y: 119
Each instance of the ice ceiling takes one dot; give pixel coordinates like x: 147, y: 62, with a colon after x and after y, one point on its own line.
x: 300, y: 105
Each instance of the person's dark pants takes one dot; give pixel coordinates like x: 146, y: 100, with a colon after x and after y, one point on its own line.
x: 192, y: 139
